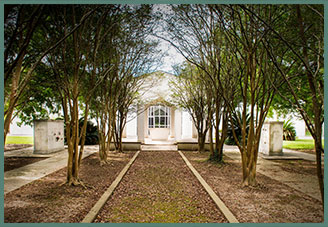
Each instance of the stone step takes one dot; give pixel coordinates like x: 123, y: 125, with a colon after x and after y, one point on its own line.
x: 161, y: 147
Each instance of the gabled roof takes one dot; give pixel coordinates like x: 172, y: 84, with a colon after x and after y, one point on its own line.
x: 156, y: 88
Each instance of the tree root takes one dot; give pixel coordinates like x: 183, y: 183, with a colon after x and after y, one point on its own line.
x: 76, y: 182
x: 104, y: 162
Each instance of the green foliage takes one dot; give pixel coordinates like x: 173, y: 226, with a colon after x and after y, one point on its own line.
x: 237, y: 127
x: 91, y: 132
x: 92, y: 136
x: 41, y: 98
x: 289, y: 131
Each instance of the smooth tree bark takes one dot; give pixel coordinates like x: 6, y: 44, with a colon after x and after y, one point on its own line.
x: 304, y: 67
x: 190, y: 93
x: 15, y: 58
x: 244, y: 34
x: 69, y: 65
x: 195, y: 32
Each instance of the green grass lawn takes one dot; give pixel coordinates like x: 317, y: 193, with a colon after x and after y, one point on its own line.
x: 299, y: 144
x: 19, y: 140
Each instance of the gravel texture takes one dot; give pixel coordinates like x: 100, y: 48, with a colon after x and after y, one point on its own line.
x: 49, y: 200
x: 269, y: 202
x: 160, y: 188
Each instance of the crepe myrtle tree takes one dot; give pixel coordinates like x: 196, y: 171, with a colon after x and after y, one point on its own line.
x: 299, y: 60
x: 255, y: 79
x: 130, y: 53
x: 226, y: 43
x: 194, y: 31
x: 25, y: 48
x: 190, y: 93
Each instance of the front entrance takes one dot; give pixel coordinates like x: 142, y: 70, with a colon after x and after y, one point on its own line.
x: 159, y: 122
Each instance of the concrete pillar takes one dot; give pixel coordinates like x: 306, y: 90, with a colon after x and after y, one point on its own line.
x: 207, y: 138
x: 124, y: 132
x: 146, y: 131
x: 140, y: 126
x: 272, y: 138
x: 194, y: 133
x: 48, y: 136
x: 172, y: 122
x: 178, y: 124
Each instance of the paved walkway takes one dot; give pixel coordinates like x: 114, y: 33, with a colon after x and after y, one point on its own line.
x: 16, y: 178
x: 304, y: 183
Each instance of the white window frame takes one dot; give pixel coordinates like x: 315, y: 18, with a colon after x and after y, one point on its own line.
x: 153, y: 118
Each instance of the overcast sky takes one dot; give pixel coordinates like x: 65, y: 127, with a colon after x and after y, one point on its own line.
x: 172, y: 57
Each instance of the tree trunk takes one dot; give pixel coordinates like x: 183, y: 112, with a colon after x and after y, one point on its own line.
x: 201, y: 142
x: 83, y: 132
x: 221, y: 138
x: 317, y: 110
x: 212, y: 151
x: 249, y: 176
x: 75, y: 179
x: 13, y: 97
x: 318, y: 152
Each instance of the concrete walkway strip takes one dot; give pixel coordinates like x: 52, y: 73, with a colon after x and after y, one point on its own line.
x: 226, y: 212
x: 90, y: 217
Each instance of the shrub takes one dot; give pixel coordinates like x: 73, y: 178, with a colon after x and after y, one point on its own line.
x: 230, y: 139
x: 91, y: 137
x: 289, y: 131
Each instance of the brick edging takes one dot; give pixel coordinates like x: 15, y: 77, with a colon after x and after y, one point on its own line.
x: 91, y: 216
x: 224, y: 209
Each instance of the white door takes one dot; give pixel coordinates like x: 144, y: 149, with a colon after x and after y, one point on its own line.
x: 159, y: 122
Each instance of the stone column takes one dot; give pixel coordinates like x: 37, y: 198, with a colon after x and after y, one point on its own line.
x: 207, y: 138
x: 140, y: 126
x: 146, y: 135
x: 178, y: 124
x: 194, y: 133
x: 124, y: 132
x: 172, y: 122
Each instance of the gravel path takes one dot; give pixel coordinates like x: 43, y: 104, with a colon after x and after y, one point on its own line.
x: 160, y: 188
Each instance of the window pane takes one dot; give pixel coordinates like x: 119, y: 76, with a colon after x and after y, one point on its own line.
x: 156, y: 122
x: 162, y: 121
x: 159, y: 117
x: 151, y: 122
x: 162, y: 112
x: 156, y: 112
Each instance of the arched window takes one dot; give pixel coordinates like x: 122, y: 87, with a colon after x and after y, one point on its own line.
x: 159, y: 117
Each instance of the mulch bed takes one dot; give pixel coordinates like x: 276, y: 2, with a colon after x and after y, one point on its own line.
x: 11, y: 163
x: 271, y: 201
x: 12, y: 147
x: 160, y: 188
x: 48, y: 200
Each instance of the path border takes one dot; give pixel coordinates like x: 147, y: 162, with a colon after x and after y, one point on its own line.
x: 91, y: 216
x: 224, y: 209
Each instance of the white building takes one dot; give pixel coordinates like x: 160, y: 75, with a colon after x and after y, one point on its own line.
x: 157, y: 118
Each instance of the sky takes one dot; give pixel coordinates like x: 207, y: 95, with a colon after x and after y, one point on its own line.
x: 172, y: 57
